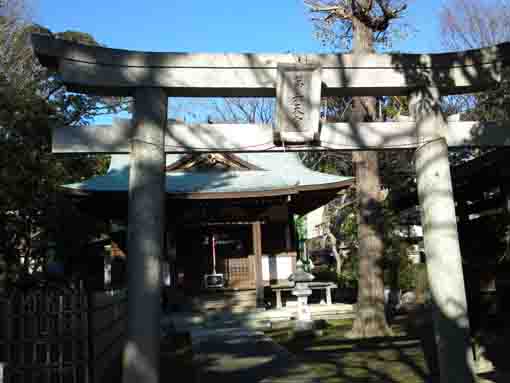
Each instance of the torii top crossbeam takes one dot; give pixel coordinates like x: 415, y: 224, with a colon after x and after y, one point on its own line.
x: 117, y: 72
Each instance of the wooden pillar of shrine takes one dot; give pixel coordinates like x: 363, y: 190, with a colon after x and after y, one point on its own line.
x: 257, y: 251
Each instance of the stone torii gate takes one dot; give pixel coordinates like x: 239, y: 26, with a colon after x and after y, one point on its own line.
x: 297, y: 82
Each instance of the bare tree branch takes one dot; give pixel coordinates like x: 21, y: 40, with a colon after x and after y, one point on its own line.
x: 474, y: 23
x: 388, y: 12
x: 334, y: 19
x: 340, y: 11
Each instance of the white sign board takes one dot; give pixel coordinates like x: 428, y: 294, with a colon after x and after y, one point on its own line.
x: 276, y: 267
x: 298, y: 98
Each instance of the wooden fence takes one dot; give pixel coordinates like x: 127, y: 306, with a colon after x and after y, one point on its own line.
x: 55, y: 334
x: 107, y: 322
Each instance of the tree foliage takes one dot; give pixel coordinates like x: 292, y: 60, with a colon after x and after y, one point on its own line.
x: 33, y: 100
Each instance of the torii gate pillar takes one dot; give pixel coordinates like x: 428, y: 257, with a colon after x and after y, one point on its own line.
x: 444, y: 262
x: 146, y: 223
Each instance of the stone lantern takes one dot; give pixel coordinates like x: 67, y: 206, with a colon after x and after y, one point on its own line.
x: 301, y: 290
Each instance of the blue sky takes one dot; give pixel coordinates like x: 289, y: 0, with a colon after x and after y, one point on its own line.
x: 212, y: 26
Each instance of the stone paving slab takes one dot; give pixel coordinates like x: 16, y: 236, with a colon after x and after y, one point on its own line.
x: 242, y: 355
x: 254, y: 319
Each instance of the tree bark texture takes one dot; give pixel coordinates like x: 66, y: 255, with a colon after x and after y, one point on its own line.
x: 370, y: 320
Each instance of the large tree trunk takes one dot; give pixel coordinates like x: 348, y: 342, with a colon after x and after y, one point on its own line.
x: 370, y: 320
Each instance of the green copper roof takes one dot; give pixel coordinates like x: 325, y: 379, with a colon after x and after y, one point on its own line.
x: 280, y: 171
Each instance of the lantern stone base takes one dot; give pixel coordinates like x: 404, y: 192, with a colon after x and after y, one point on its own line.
x: 304, y: 320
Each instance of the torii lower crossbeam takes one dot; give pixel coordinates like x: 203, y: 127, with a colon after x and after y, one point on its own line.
x: 180, y: 138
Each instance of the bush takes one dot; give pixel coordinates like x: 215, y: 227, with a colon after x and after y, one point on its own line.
x: 399, y: 269
x: 324, y: 274
x: 407, y: 274
x: 422, y: 282
x: 347, y: 280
